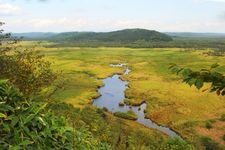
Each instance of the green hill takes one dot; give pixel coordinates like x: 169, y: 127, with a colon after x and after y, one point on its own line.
x: 127, y: 35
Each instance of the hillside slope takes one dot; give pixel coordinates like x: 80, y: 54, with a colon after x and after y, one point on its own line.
x: 127, y: 35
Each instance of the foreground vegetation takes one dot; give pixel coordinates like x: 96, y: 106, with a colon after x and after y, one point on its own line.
x: 169, y: 101
x: 44, y: 109
x: 30, y: 118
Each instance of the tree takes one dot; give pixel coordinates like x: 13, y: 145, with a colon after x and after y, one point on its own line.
x: 25, y: 68
x: 27, y: 123
x: 198, y: 78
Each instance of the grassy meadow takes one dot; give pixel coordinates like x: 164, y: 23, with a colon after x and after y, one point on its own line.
x: 169, y: 101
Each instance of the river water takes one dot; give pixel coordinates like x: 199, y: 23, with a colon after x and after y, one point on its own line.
x: 113, y: 92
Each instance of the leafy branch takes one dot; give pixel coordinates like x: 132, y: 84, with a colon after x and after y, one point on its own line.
x: 199, y: 78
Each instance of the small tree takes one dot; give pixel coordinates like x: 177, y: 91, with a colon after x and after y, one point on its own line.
x: 25, y: 68
x: 25, y: 123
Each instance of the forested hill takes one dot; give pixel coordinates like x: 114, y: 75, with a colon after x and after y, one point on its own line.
x: 127, y: 35
x: 135, y: 38
x: 196, y: 35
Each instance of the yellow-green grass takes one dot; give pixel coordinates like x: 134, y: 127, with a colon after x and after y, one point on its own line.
x: 170, y: 102
x: 130, y: 115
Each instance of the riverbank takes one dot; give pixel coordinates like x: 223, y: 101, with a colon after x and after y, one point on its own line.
x: 113, y: 94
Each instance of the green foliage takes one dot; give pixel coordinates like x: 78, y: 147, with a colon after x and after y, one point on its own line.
x: 91, y: 131
x: 122, y: 36
x: 209, y: 144
x: 84, y: 140
x: 178, y: 42
x: 177, y: 144
x: 27, y: 125
x: 216, y: 52
x: 121, y: 104
x: 140, y: 140
x: 222, y: 118
x: 94, y: 129
x: 208, y: 125
x: 198, y: 78
x: 25, y: 68
x: 126, y: 115
x: 105, y: 109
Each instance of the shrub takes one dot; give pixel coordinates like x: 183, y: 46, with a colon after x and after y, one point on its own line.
x: 127, y: 102
x: 189, y: 124
x: 101, y: 112
x: 121, y: 104
x: 178, y: 144
x: 105, y: 109
x: 27, y: 125
x: 208, y: 125
x: 209, y: 144
x: 222, y: 118
x: 26, y: 69
x: 145, y: 111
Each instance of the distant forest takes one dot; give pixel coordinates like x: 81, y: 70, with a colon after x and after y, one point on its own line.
x: 133, y: 38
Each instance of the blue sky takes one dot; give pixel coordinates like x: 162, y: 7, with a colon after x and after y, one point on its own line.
x: 108, y: 15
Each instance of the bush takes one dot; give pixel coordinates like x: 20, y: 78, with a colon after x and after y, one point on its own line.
x: 25, y: 120
x: 208, y: 125
x: 209, y: 144
x: 222, y: 118
x: 105, y: 109
x: 178, y: 144
x: 27, y: 125
x: 121, y: 104
x: 224, y: 137
x: 26, y: 69
x: 127, y: 102
x: 126, y: 115
x: 101, y: 112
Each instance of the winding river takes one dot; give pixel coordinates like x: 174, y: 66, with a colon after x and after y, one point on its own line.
x: 113, y: 92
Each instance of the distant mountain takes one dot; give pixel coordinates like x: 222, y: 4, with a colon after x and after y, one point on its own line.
x: 196, y: 35
x: 34, y: 35
x: 127, y: 35
x: 134, y: 38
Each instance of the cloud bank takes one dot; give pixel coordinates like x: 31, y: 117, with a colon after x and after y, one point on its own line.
x: 81, y: 24
x: 8, y: 9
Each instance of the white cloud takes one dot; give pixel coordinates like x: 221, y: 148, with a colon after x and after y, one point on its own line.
x: 8, y: 9
x: 81, y: 24
x: 63, y: 22
x: 46, y: 24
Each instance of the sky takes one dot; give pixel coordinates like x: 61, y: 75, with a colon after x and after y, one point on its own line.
x: 110, y: 15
